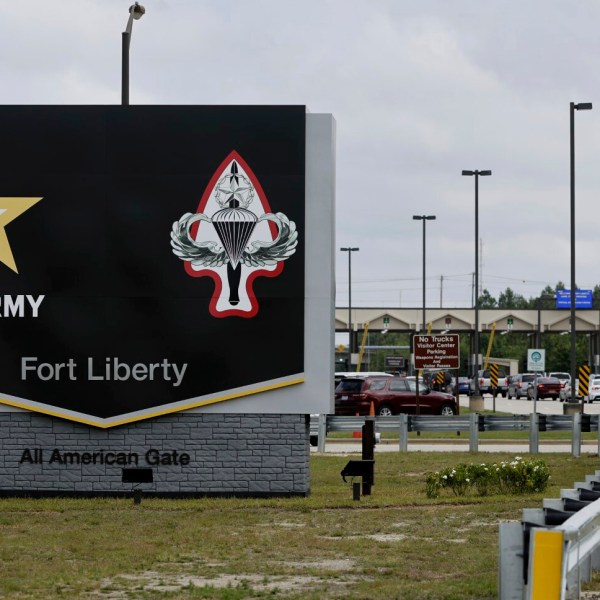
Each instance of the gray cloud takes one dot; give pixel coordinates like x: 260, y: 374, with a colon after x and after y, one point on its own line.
x: 420, y: 91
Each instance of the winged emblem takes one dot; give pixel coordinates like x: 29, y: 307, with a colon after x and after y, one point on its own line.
x: 233, y: 237
x: 254, y: 254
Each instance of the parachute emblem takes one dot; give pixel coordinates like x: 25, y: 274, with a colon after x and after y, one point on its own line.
x: 232, y: 236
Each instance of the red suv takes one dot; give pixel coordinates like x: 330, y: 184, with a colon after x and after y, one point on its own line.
x: 390, y: 396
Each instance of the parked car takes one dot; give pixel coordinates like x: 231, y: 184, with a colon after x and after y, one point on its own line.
x: 483, y: 378
x: 519, y: 384
x: 547, y: 387
x: 565, y: 392
x: 390, y: 396
x: 463, y: 385
x: 339, y: 375
x: 594, y: 390
x: 564, y: 377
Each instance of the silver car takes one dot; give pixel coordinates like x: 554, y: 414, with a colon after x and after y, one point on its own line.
x: 565, y: 391
x: 519, y: 384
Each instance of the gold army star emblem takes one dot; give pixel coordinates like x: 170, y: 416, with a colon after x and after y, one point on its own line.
x: 10, y: 209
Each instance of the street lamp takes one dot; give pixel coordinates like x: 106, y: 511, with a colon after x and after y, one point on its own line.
x: 424, y: 218
x: 476, y: 333
x: 136, y: 12
x: 350, y: 250
x: 572, y: 108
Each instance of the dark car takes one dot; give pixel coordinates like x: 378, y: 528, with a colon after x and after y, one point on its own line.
x: 463, y: 386
x: 390, y: 396
x: 547, y: 387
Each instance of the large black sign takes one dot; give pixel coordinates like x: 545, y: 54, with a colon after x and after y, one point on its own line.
x: 149, y: 256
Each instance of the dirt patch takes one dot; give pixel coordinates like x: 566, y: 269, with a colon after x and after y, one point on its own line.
x: 286, y: 524
x: 341, y: 564
x: 120, y: 587
x: 387, y: 537
x: 378, y: 537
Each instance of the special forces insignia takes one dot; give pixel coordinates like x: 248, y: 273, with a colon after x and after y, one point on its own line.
x: 234, y: 238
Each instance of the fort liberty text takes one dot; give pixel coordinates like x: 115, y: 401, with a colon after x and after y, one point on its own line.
x: 111, y: 369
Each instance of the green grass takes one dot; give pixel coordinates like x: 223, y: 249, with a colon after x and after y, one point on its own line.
x: 396, y: 543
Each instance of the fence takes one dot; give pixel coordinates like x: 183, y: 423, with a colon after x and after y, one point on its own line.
x: 473, y: 423
x: 553, y: 549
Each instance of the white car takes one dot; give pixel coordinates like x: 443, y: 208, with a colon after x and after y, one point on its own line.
x: 565, y: 391
x: 594, y: 390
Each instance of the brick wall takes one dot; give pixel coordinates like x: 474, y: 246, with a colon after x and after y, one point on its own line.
x: 197, y: 453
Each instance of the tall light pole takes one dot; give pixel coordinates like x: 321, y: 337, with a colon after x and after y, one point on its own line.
x: 476, y: 174
x: 572, y: 108
x: 136, y: 11
x: 424, y: 218
x: 350, y: 250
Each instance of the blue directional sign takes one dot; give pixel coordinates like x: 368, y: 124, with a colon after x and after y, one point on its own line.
x: 583, y: 298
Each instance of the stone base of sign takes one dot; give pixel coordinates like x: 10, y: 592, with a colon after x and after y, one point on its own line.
x: 476, y: 403
x: 189, y: 454
x: 571, y: 408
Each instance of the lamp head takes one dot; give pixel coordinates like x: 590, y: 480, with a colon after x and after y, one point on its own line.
x: 137, y: 11
x: 583, y: 106
x: 471, y: 173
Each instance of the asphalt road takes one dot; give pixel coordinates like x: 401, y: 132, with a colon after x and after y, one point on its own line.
x: 525, y: 407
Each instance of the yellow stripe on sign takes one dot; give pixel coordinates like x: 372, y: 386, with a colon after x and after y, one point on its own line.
x: 494, y: 375
x: 546, y: 570
x: 584, y: 380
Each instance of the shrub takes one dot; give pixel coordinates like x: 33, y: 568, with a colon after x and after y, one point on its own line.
x: 518, y: 476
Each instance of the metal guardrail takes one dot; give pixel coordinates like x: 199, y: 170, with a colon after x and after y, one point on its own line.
x: 553, y: 549
x: 473, y: 423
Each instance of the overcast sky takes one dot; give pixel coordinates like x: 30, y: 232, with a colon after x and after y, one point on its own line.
x: 420, y: 90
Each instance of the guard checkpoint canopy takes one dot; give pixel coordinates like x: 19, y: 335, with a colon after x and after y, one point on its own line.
x: 436, y: 351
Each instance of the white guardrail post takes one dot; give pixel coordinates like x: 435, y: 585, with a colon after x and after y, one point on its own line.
x: 322, y: 432
x: 473, y: 432
x: 403, y: 433
x: 534, y: 433
x: 576, y: 435
x: 510, y: 565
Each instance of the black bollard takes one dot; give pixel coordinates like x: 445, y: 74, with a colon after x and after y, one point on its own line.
x: 368, y: 453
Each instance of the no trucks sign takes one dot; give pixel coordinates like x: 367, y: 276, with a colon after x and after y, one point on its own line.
x: 436, y: 351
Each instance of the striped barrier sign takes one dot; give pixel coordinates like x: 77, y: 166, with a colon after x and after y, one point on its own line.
x: 584, y: 380
x: 494, y: 376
